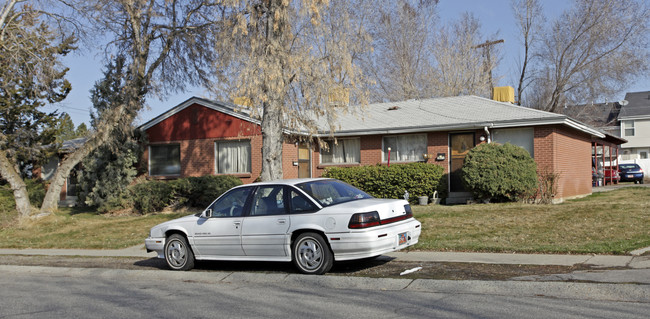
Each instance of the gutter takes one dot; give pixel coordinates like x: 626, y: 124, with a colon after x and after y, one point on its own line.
x: 464, y: 126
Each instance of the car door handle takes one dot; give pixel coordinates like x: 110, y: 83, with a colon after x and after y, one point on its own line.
x: 282, y: 221
x: 237, y: 224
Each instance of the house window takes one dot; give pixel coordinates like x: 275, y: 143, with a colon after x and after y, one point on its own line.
x: 405, y: 148
x: 629, y: 128
x: 522, y: 137
x: 643, y: 155
x: 164, y: 159
x: 233, y: 157
x: 344, y: 151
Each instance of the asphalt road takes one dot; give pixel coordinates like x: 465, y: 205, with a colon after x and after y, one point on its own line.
x: 46, y: 292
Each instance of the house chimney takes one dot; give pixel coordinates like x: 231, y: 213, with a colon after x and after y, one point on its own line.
x: 243, y: 101
x: 339, y: 96
x: 504, y: 94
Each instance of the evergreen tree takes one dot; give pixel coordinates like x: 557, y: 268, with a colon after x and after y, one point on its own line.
x: 111, y: 167
x: 81, y: 131
x: 65, y: 129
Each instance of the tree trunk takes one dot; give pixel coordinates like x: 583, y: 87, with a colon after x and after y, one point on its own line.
x: 272, y: 140
x: 103, y: 133
x: 8, y: 172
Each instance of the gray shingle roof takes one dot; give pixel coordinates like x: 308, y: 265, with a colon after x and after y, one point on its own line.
x: 439, y: 114
x: 461, y: 112
x: 638, y: 105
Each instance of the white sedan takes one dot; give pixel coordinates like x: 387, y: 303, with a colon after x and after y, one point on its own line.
x: 311, y: 222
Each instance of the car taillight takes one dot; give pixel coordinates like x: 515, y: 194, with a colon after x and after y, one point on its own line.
x: 370, y: 219
x: 364, y: 220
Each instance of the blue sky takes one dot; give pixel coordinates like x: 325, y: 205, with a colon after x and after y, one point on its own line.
x: 495, y: 16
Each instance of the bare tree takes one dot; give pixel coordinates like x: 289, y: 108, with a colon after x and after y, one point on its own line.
x: 164, y: 45
x: 591, y: 51
x: 530, y: 19
x: 287, y: 57
x: 400, y: 63
x: 460, y: 68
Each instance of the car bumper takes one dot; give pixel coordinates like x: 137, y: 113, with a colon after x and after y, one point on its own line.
x: 374, y: 241
x: 155, y: 244
x: 631, y: 177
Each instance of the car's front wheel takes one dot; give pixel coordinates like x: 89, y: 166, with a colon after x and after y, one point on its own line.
x: 311, y: 255
x: 178, y: 253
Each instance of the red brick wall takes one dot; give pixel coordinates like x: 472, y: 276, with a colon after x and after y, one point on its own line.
x: 568, y: 153
x: 198, y: 158
x: 573, y: 162
x: 438, y: 142
x: 289, y: 155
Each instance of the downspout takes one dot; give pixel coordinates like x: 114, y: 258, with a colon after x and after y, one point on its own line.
x: 487, y: 133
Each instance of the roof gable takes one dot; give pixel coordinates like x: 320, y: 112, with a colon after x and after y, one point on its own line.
x: 200, y: 119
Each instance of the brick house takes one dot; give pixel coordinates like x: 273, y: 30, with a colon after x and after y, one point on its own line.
x: 199, y: 137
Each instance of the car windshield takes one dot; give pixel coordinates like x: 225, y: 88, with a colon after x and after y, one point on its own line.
x: 330, y: 192
x: 628, y: 166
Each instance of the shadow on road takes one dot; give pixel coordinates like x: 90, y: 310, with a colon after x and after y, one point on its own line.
x: 346, y: 267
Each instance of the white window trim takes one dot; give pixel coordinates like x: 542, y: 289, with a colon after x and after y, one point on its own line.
x: 216, y: 156
x: 383, y: 154
x: 625, y: 127
x: 320, y: 152
x: 149, y: 159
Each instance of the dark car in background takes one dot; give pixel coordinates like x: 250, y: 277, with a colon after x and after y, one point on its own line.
x: 630, y: 173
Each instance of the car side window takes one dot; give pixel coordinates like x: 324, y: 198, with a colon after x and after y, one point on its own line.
x: 268, y: 200
x: 231, y: 204
x: 300, y: 204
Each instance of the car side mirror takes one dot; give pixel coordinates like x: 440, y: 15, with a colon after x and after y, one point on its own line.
x: 207, y: 213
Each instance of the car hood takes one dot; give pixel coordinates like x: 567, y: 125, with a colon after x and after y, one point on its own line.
x: 177, y: 221
x: 387, y: 208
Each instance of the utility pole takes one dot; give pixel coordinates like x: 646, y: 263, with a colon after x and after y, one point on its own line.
x: 486, y: 52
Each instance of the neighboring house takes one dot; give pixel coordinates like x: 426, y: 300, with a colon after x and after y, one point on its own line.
x: 199, y: 137
x: 68, y: 195
x: 634, y: 121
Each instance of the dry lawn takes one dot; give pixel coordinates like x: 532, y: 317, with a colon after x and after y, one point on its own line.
x: 614, y: 222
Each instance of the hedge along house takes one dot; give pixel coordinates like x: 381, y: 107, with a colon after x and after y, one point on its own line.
x: 200, y: 137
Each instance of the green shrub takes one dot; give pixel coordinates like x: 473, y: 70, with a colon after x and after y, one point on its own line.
x: 419, y: 179
x: 206, y: 189
x: 36, y: 190
x: 499, y: 173
x: 151, y: 196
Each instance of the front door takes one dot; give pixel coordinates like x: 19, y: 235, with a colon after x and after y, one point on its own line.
x: 304, y: 161
x: 460, y: 144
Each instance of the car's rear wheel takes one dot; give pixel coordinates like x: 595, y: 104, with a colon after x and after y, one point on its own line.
x: 311, y: 254
x: 178, y: 253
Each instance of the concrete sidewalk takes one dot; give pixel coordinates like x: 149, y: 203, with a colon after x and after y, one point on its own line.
x: 600, y: 261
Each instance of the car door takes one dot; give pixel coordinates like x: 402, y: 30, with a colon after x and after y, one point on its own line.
x: 264, y: 230
x: 220, y: 233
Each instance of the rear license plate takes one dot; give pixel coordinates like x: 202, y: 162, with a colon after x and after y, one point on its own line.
x: 403, y: 238
x: 630, y: 176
